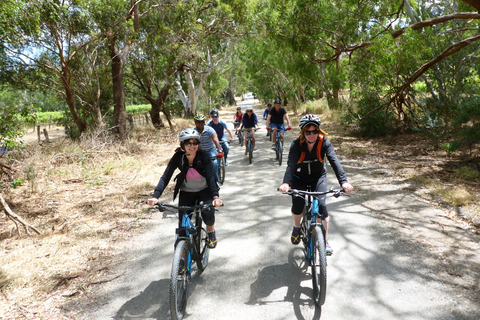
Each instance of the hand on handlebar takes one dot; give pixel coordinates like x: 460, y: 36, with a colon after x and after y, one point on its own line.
x: 347, y: 188
x: 284, y: 187
x: 152, y: 201
x: 219, y: 155
x: 289, y: 128
x: 268, y: 128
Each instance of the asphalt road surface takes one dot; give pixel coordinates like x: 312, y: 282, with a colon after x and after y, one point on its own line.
x: 377, y: 270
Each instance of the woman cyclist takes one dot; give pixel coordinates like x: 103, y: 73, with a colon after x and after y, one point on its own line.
x: 305, y: 167
x: 249, y: 122
x: 237, y: 119
x: 195, y: 182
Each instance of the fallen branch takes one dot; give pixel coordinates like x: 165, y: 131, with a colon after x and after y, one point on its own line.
x: 16, y: 218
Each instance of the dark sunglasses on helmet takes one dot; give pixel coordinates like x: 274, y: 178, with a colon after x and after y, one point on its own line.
x: 307, y: 133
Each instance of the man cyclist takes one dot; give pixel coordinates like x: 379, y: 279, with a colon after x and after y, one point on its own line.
x: 276, y: 122
x: 219, y: 126
x: 208, y: 140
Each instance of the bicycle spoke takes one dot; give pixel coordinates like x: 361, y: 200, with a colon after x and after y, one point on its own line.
x: 179, y: 281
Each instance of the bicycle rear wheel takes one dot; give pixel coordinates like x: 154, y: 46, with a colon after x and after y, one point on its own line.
x: 221, y: 170
x: 240, y: 137
x: 179, y: 279
x: 319, y: 267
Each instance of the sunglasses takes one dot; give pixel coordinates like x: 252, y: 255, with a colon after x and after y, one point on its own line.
x: 307, y: 133
x: 214, y: 117
x: 190, y: 143
x: 249, y: 110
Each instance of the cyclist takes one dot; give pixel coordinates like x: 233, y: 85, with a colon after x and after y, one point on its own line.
x: 267, y: 111
x: 249, y: 122
x: 208, y: 140
x: 219, y: 126
x: 195, y: 182
x: 275, y: 120
x: 237, y: 119
x: 305, y: 166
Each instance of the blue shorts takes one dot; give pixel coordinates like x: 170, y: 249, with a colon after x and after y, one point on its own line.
x: 280, y: 127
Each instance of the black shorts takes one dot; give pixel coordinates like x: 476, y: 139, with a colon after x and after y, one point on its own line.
x: 319, y: 185
x: 193, y: 198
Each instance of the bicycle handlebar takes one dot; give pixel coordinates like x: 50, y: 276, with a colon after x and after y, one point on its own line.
x: 336, y: 192
x: 162, y: 207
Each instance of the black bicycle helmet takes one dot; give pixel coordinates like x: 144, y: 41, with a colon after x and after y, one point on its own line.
x: 269, y: 105
x: 277, y: 101
x: 199, y: 117
x: 309, y: 119
x: 214, y: 112
x: 188, y: 134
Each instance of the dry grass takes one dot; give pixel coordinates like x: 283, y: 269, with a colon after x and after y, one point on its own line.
x: 83, y: 197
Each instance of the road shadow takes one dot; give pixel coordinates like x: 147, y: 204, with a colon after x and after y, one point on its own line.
x: 154, y: 301
x: 292, y: 275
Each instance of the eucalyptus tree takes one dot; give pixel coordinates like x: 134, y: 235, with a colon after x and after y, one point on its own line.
x: 41, y: 42
x: 205, y: 35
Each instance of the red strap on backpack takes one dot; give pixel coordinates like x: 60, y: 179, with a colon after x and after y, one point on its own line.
x: 319, y: 151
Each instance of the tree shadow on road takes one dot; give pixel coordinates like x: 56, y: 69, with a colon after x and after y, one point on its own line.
x: 290, y: 275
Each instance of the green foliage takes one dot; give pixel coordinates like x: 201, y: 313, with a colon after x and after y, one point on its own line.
x: 377, y: 124
x: 450, y: 147
x: 16, y: 183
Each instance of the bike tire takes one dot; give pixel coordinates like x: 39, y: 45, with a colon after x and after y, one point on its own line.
x: 203, y: 249
x: 179, y: 282
x: 280, y: 153
x: 221, y: 170
x: 319, y: 267
x: 250, y: 153
x: 240, y: 137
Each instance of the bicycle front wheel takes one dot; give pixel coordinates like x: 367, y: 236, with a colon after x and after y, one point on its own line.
x: 221, y: 170
x: 179, y: 281
x: 240, y: 137
x: 203, y: 249
x: 280, y: 153
x: 250, y: 151
x: 319, y: 267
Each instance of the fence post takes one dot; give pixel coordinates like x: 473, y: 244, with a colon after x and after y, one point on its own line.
x: 46, y: 134
x: 38, y: 133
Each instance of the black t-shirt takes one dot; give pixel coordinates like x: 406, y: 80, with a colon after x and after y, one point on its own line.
x: 277, y: 116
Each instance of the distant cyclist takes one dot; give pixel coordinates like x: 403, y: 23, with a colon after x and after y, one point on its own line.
x: 267, y: 111
x: 237, y: 119
x: 305, y: 167
x: 208, y: 140
x: 220, y: 126
x: 275, y: 120
x: 195, y: 182
x: 249, y: 122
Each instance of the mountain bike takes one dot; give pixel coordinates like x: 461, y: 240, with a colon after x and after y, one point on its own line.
x: 313, y: 238
x: 278, y: 146
x: 249, y: 144
x: 238, y: 133
x: 190, y: 256
x: 221, y: 167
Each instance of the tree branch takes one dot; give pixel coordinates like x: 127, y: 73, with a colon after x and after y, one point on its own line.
x: 16, y: 218
x: 437, y: 20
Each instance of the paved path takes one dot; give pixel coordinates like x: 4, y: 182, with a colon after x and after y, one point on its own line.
x: 378, y: 270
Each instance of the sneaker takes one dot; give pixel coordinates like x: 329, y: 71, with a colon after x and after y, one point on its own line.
x: 246, y: 152
x: 273, y: 146
x: 254, y: 149
x: 328, y: 249
x: 226, y: 163
x: 295, y: 237
x: 213, y: 240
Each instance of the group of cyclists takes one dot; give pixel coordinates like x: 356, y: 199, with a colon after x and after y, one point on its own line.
x: 197, y: 180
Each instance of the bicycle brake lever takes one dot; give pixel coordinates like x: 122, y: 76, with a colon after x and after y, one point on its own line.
x: 161, y: 208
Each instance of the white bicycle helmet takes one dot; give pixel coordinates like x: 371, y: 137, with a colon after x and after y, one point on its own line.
x: 188, y: 134
x: 309, y: 119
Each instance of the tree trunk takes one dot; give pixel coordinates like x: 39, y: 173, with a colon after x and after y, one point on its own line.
x: 159, y: 105
x: 119, y: 109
